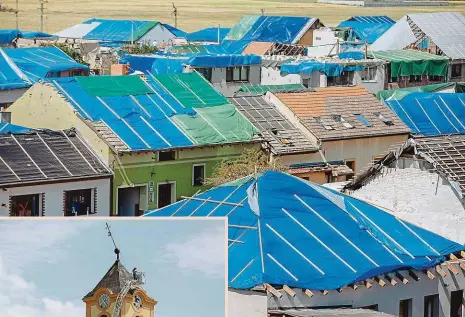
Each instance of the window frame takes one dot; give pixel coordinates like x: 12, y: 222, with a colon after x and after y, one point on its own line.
x: 349, y: 177
x: 434, y: 300
x: 67, y: 201
x: 371, y: 77
x: 204, y: 174
x: 206, y: 72
x: 40, y: 206
x: 407, y: 309
x: 241, y: 69
x: 166, y: 160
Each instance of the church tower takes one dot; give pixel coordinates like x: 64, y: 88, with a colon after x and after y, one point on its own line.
x: 119, y: 294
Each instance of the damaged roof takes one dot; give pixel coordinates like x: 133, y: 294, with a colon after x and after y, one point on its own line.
x: 280, y: 133
x: 115, y: 279
x: 337, y: 113
x: 45, y: 156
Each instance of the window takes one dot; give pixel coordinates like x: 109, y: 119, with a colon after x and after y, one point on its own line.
x: 340, y: 119
x: 387, y: 121
x: 5, y: 104
x: 431, y: 307
x: 325, y: 125
x: 25, y: 205
x: 237, y: 73
x: 456, y: 304
x: 456, y: 70
x: 78, y: 202
x: 306, y: 178
x: 166, y: 156
x: 350, y: 164
x: 414, y: 79
x: 405, y: 308
x: 369, y: 74
x: 206, y: 73
x: 435, y: 78
x: 198, y: 174
x: 346, y: 78
x: 363, y: 120
x: 76, y: 72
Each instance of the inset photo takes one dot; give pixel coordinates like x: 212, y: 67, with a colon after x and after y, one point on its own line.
x: 113, y: 268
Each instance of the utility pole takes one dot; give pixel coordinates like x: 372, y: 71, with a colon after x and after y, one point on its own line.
x: 17, y: 11
x: 263, y: 11
x: 42, y: 9
x: 175, y: 13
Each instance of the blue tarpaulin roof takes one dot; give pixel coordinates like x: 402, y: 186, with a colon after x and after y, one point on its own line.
x: 37, y: 62
x: 202, y: 60
x: 331, y: 69
x: 10, y: 76
x: 208, y: 35
x: 34, y: 34
x: 276, y: 29
x: 176, y: 32
x: 431, y: 113
x: 7, y: 36
x: 368, y: 28
x: 12, y: 128
x: 286, y: 231
x: 118, y: 30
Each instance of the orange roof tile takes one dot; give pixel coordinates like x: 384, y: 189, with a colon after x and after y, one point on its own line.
x: 258, y: 48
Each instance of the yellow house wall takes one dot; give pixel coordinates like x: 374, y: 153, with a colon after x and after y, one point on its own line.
x: 360, y: 150
x: 42, y: 107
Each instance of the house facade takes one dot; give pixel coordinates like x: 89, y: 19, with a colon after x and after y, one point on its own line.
x: 165, y: 148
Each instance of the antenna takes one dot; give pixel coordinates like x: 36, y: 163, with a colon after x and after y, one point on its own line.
x: 117, y: 251
x: 175, y: 13
x: 42, y: 9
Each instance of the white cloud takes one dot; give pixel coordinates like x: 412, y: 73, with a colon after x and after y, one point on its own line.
x: 19, y: 298
x: 204, y: 253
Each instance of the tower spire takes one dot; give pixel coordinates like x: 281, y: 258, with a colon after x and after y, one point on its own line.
x: 117, y: 251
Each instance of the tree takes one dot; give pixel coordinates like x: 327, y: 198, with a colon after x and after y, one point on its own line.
x: 249, y: 162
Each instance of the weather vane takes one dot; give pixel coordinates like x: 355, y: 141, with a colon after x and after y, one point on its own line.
x: 117, y: 251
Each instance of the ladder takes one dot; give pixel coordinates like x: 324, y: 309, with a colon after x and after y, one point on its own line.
x: 131, y: 284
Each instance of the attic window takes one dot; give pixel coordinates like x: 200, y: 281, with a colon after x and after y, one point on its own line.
x: 340, y: 119
x: 363, y: 120
x: 323, y: 123
x: 386, y: 121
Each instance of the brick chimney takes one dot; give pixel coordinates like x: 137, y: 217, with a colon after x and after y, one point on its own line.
x: 119, y: 69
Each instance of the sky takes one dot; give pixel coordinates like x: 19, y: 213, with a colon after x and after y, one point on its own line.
x: 47, y: 267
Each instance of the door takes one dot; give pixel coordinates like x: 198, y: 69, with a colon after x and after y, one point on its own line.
x: 456, y: 303
x: 164, y: 195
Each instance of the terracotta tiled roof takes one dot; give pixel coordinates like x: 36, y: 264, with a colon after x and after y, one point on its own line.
x: 325, y: 104
x: 257, y: 48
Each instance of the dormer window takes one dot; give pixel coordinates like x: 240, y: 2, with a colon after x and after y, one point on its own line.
x: 340, y: 119
x: 325, y: 125
x: 386, y: 121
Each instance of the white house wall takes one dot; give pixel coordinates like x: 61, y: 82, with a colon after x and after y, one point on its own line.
x: 54, y: 195
x: 373, y: 86
x: 387, y: 298
x: 158, y: 33
x: 272, y: 76
x: 324, y: 36
x: 243, y: 303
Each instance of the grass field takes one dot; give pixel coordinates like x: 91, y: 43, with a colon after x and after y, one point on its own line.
x: 193, y: 14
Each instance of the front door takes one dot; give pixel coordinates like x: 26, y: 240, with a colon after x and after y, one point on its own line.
x: 164, y: 195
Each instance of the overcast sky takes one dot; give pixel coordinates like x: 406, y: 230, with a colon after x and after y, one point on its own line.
x: 46, y: 267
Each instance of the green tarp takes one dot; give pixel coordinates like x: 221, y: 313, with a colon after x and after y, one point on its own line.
x: 242, y: 28
x: 410, y: 62
x: 221, y: 124
x: 192, y: 90
x: 399, y: 94
x: 265, y: 88
x: 109, y: 86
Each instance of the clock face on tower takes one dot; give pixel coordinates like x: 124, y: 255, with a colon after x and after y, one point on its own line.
x: 104, y: 301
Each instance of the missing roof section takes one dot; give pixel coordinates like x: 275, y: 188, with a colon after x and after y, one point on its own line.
x: 325, y: 125
x: 363, y: 120
x: 380, y: 116
x: 339, y: 119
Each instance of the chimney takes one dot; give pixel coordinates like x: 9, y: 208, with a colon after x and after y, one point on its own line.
x: 119, y: 69
x: 5, y: 117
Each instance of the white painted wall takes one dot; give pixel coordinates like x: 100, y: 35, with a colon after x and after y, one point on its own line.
x: 246, y: 303
x: 324, y: 36
x: 7, y: 96
x: 158, y: 33
x: 272, y: 76
x: 373, y: 86
x: 409, y: 191
x: 387, y: 298
x: 54, y: 195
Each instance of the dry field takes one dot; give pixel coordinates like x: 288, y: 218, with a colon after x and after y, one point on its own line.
x: 193, y: 14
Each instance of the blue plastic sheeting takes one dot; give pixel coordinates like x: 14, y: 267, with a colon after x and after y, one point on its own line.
x: 202, y: 60
x: 33, y: 35
x: 118, y: 30
x: 351, y: 55
x: 307, y: 67
x: 38, y: 62
x: 156, y: 64
x: 162, y: 66
x: 10, y: 76
x: 208, y: 35
x: 7, y: 36
x: 431, y: 113
x: 276, y: 29
x: 296, y: 233
x: 141, y: 121
x: 368, y: 28
x: 176, y: 32
x: 12, y: 128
